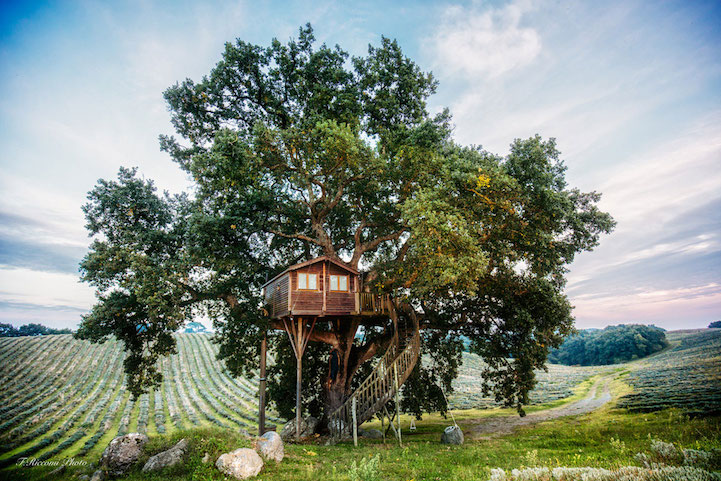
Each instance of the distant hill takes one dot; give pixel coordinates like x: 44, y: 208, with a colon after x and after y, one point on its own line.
x: 612, y: 345
x: 687, y: 376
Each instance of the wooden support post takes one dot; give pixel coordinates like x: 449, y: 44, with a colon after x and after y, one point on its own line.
x: 299, y: 337
x: 383, y: 427
x: 391, y: 426
x: 299, y: 377
x: 398, y: 403
x: 355, y: 423
x: 261, y: 387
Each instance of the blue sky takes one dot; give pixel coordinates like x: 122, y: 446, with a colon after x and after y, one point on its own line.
x: 631, y: 90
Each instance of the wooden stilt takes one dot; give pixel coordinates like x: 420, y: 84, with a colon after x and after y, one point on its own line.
x: 299, y: 337
x: 261, y: 387
x: 398, y: 404
x: 298, y: 377
x: 355, y: 424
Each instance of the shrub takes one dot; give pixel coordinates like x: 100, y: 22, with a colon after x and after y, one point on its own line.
x: 366, y: 470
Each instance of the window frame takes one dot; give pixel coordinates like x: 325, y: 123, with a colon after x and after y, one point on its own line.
x: 338, y: 276
x: 307, y: 283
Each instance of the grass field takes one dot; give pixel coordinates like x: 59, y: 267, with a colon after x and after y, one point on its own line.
x: 199, y: 403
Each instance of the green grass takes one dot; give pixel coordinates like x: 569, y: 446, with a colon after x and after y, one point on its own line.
x: 573, y: 441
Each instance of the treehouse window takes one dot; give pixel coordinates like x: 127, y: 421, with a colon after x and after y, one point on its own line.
x: 338, y: 283
x: 308, y: 281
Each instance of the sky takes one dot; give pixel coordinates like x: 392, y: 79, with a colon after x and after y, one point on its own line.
x: 630, y: 90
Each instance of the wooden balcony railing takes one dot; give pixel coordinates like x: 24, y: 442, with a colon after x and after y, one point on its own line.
x: 368, y: 303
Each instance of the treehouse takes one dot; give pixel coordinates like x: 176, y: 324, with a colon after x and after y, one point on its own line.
x: 327, y: 289
x: 320, y: 287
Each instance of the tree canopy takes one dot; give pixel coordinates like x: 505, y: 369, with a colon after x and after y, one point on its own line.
x: 298, y: 150
x: 612, y: 345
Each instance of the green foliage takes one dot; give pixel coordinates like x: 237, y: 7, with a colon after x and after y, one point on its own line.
x: 612, y: 345
x: 8, y: 330
x: 715, y: 325
x: 296, y: 151
x: 366, y: 470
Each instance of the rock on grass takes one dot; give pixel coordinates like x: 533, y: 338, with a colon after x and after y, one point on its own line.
x: 242, y: 463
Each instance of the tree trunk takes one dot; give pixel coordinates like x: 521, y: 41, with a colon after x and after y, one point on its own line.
x: 336, y: 385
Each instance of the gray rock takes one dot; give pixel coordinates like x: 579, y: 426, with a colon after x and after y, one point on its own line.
x: 167, y: 458
x: 242, y: 463
x: 452, y: 435
x: 122, y: 453
x: 57, y: 471
x: 371, y: 434
x: 308, y: 427
x: 270, y: 446
x: 83, y: 477
x: 98, y: 475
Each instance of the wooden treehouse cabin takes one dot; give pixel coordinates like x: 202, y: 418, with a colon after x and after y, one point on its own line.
x: 326, y: 288
x: 321, y: 287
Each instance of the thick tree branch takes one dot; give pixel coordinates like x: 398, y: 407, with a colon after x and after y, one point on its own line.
x: 297, y: 235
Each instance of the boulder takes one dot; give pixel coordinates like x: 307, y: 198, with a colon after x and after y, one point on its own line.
x: 122, y: 453
x: 452, y: 435
x: 242, y: 463
x: 83, y: 477
x: 98, y: 475
x: 270, y: 446
x: 371, y: 434
x: 167, y: 458
x: 308, y: 426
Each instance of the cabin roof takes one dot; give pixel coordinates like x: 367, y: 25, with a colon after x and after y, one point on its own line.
x: 312, y: 261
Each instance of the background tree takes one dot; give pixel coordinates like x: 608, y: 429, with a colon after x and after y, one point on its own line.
x: 32, y: 329
x: 298, y: 151
x: 715, y: 324
x: 614, y: 344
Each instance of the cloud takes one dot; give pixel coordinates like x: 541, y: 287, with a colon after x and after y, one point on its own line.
x: 41, y: 257
x: 669, y: 308
x: 17, y: 314
x: 27, y: 286
x: 487, y: 43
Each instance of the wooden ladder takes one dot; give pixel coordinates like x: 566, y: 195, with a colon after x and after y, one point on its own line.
x: 382, y: 385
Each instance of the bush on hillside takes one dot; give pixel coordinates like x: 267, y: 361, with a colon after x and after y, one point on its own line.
x: 611, y: 345
x: 715, y: 325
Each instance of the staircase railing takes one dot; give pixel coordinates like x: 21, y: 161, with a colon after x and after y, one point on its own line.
x: 392, y: 370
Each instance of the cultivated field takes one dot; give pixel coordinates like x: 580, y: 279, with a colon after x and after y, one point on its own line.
x: 555, y: 384
x: 685, y: 376
x: 61, y: 396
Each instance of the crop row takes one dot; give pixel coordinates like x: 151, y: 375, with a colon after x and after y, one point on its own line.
x: 62, y: 397
x: 688, y: 377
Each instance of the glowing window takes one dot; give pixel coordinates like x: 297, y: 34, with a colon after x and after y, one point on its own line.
x: 308, y: 281
x: 338, y: 283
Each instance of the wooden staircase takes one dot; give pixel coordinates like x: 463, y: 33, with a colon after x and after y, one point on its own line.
x: 383, y: 384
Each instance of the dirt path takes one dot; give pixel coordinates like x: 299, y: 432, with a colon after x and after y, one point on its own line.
x: 597, y: 396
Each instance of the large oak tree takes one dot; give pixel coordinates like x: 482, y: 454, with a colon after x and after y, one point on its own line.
x: 297, y: 150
